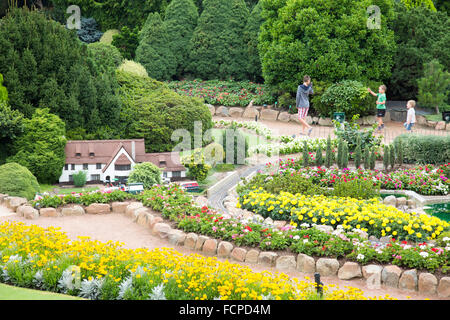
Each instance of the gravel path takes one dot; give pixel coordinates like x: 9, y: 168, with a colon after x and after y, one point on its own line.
x: 117, y: 227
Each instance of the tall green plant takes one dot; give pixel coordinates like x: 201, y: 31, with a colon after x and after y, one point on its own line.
x: 329, y: 157
x: 79, y: 179
x: 386, y: 157
x: 345, y: 155
x: 358, y: 154
x: 373, y: 159
x: 305, y: 154
x: 340, y: 153
x: 319, y: 156
x: 367, y: 158
x: 434, y: 86
x: 392, y: 153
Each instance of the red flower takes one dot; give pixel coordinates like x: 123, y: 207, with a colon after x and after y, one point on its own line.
x: 248, y: 228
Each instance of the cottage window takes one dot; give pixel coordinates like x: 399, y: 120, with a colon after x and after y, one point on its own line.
x: 85, y: 166
x: 123, y: 167
x: 99, y: 166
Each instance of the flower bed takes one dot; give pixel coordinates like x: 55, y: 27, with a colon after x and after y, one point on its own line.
x: 425, y: 180
x: 46, y: 259
x: 370, y: 216
x: 349, y: 243
x: 81, y: 198
x: 225, y: 93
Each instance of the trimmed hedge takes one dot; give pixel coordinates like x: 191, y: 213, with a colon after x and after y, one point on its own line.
x: 425, y: 149
x: 18, y: 181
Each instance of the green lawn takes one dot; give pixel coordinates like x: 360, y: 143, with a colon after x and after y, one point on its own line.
x: 49, y: 188
x: 15, y: 293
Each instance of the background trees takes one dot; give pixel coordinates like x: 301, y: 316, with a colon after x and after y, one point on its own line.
x: 327, y: 39
x: 44, y: 65
x: 218, y: 49
x: 421, y: 35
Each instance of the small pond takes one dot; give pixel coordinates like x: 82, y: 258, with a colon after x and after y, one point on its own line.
x: 440, y: 210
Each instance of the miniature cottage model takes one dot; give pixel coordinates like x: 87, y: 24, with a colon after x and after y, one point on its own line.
x: 107, y: 160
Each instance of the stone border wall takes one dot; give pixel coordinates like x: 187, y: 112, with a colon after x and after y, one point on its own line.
x: 276, y: 115
x: 375, y: 275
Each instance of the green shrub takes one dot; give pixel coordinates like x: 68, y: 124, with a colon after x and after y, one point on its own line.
x: 235, y: 145
x: 292, y: 184
x: 350, y: 132
x: 345, y: 155
x: 357, y: 188
x: 127, y: 42
x: 367, y: 158
x: 146, y: 173
x: 358, y: 153
x: 386, y: 157
x: 319, y: 156
x: 424, y: 149
x: 105, y: 57
x: 198, y: 169
x: 350, y: 97
x: 373, y: 159
x: 18, y: 181
x: 434, y: 86
x: 392, y: 153
x: 305, y: 154
x: 329, y: 156
x: 79, y: 179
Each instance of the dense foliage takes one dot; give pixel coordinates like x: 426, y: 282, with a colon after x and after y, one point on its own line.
x: 127, y: 41
x: 11, y: 127
x: 180, y: 21
x: 89, y: 32
x: 217, y: 46
x: 152, y: 111
x: 44, y: 65
x: 104, y: 57
x: 154, y: 52
x: 327, y: 39
x: 434, y: 86
x: 350, y: 97
x: 146, y: 173
x: 17, y: 181
x: 251, y: 35
x: 41, y: 147
x: 425, y: 149
x: 421, y: 35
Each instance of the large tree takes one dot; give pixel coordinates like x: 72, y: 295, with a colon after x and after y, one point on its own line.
x: 251, y: 35
x: 11, y: 127
x: 45, y: 65
x: 153, y: 111
x: 421, y: 35
x: 153, y: 51
x: 41, y: 147
x: 218, y: 47
x: 180, y: 22
x: 327, y: 39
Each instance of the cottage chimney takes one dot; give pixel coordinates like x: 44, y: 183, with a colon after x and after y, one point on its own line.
x: 133, y: 150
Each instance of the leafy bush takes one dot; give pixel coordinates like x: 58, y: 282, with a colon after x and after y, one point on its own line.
x: 351, y: 133
x: 350, y: 97
x: 198, y: 168
x: 41, y: 147
x: 107, y: 37
x: 79, y: 179
x: 105, y: 57
x: 357, y: 188
x: 18, y: 181
x: 131, y: 66
x: 146, y: 173
x: 425, y: 149
x: 3, y: 91
x: 235, y: 145
x: 11, y: 127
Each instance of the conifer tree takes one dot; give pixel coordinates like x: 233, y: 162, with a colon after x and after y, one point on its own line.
x: 358, y: 153
x: 386, y: 157
x: 340, y: 153
x: 329, y: 159
x: 153, y: 51
x: 180, y: 22
x: 392, y: 156
x: 305, y: 154
x: 373, y: 159
x: 251, y: 34
x: 319, y: 156
x: 345, y: 155
x: 218, y: 49
x: 367, y: 158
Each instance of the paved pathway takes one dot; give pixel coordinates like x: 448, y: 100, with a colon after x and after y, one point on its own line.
x: 391, y: 130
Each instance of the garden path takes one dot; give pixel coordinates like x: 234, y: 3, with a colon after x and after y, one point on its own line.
x: 117, y: 227
x: 390, y: 132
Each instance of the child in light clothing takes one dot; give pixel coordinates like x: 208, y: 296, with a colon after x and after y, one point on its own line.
x: 411, y: 117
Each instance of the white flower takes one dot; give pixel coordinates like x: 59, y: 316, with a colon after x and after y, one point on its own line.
x: 406, y: 247
x: 305, y: 240
x: 304, y: 225
x: 446, y: 239
x: 424, y: 254
x: 360, y: 257
x: 296, y: 237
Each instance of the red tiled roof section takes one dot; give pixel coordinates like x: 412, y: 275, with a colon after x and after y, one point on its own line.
x: 168, y: 161
x: 103, y: 150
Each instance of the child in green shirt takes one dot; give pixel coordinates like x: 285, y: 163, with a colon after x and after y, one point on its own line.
x: 381, y: 104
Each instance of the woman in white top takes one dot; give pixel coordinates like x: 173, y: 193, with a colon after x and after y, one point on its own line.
x: 411, y: 117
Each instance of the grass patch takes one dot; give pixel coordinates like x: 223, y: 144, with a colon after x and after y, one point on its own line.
x: 50, y: 189
x: 15, y: 293
x: 434, y: 117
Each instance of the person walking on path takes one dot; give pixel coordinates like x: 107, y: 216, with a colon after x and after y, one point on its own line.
x: 302, y: 101
x: 381, y: 104
x: 411, y: 117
